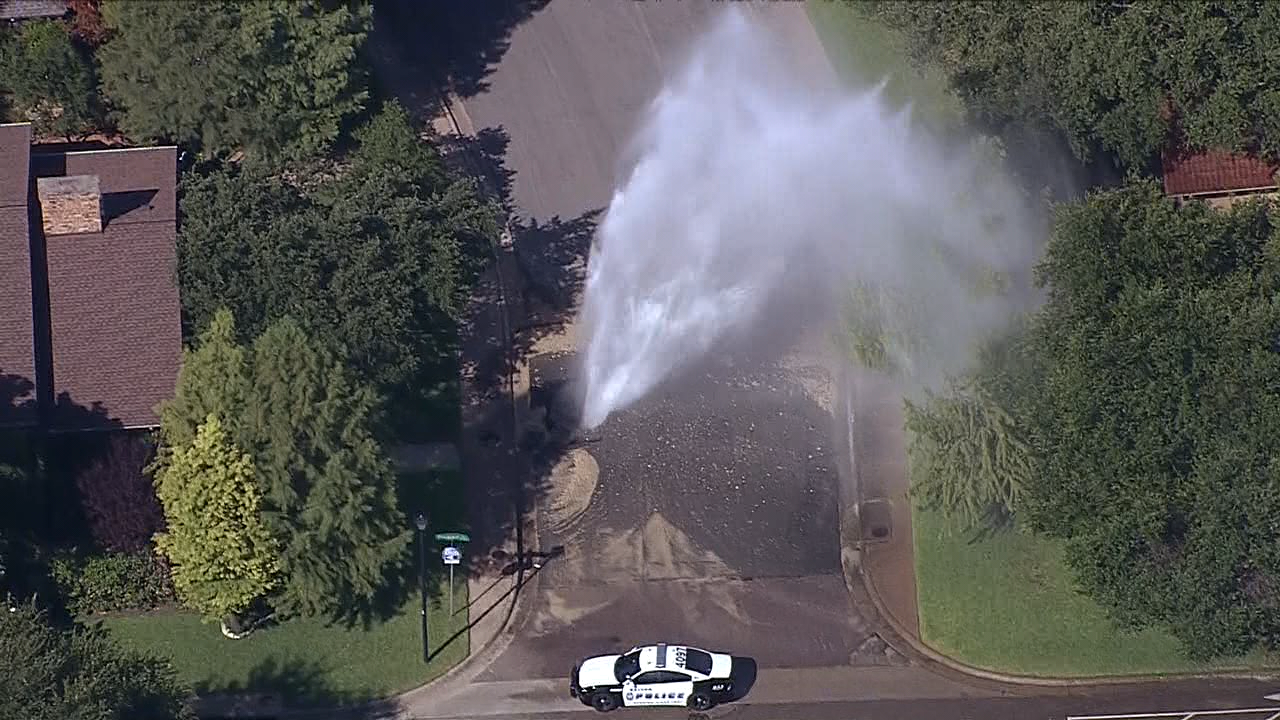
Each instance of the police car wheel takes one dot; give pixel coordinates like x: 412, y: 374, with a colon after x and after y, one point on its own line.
x: 700, y: 701
x: 604, y: 701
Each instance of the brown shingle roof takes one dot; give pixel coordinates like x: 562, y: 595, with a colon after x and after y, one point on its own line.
x: 115, y: 319
x: 90, y: 325
x: 17, y: 348
x: 1215, y: 172
x: 26, y: 9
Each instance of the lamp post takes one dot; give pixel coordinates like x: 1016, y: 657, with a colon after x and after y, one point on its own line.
x: 421, y: 522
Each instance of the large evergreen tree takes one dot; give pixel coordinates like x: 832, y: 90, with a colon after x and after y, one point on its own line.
x: 1156, y: 426
x: 274, y: 77
x: 222, y: 554
x: 330, y: 490
x: 47, y: 673
x: 214, y: 380
x: 373, y: 263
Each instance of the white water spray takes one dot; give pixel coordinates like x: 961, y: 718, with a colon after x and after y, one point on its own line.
x: 744, y: 173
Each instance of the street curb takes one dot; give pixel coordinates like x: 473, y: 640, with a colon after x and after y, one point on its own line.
x: 911, y: 646
x: 518, y: 612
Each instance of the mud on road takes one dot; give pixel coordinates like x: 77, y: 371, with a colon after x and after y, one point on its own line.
x: 705, y: 514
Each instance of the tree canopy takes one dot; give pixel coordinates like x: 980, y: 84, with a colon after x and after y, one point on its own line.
x: 50, y: 79
x: 277, y: 78
x: 49, y: 673
x: 222, y: 554
x: 372, y: 258
x: 969, y: 452
x: 1110, y: 75
x: 306, y: 424
x: 330, y: 490
x: 1156, y: 425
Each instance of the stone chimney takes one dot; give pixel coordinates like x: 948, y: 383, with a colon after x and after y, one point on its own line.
x: 70, y: 205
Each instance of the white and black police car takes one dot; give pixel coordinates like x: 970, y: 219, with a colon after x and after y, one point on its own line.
x: 661, y: 676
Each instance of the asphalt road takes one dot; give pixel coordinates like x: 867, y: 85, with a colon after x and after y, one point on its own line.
x: 894, y: 694
x: 710, y: 517
x: 575, y: 81
x: 567, y: 93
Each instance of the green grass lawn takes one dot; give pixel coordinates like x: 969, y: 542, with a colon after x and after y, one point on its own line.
x: 864, y: 52
x: 307, y: 661
x: 1007, y: 603
x: 311, y: 662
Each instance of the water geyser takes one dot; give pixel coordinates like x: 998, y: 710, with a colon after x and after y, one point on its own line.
x: 745, y: 169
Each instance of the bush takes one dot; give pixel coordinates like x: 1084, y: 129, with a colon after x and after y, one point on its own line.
x: 51, y: 81
x: 119, y: 498
x: 113, y: 581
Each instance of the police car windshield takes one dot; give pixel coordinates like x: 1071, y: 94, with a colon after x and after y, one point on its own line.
x: 698, y: 661
x: 626, y: 666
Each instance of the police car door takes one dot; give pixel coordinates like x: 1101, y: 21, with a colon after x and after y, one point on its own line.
x: 657, y: 687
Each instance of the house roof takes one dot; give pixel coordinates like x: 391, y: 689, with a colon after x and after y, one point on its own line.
x: 26, y: 9
x: 114, y: 315
x: 107, y: 324
x: 1187, y: 173
x: 17, y: 346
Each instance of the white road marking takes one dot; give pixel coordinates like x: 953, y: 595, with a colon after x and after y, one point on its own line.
x: 1270, y: 713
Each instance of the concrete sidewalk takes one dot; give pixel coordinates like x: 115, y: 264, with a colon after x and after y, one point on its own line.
x: 880, y: 450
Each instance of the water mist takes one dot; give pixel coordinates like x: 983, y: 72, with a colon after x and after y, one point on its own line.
x: 745, y: 178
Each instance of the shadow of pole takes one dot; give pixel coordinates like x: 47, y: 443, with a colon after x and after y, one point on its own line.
x: 512, y: 592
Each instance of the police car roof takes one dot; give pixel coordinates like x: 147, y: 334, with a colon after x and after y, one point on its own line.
x: 662, y: 656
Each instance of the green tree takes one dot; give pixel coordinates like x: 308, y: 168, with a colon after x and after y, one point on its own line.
x: 47, y: 673
x: 277, y: 78
x: 969, y: 454
x: 223, y: 555
x: 372, y: 263
x: 1111, y: 75
x: 330, y: 492
x: 51, y: 80
x: 1157, y: 422
x: 213, y: 380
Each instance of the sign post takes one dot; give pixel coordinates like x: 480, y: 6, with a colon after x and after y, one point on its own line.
x: 451, y: 556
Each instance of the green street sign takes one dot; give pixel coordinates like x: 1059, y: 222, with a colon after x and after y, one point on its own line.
x: 453, y: 537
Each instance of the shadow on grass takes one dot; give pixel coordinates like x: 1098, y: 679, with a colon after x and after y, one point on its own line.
x: 524, y: 568
x: 275, y: 688
x: 440, y: 495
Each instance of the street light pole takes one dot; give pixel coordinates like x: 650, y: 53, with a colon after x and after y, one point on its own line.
x: 421, y: 522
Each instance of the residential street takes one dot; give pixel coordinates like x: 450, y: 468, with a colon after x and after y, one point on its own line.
x: 648, y: 558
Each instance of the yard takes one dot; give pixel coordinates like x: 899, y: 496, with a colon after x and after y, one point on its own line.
x: 865, y: 52
x: 310, y: 662
x: 1007, y: 603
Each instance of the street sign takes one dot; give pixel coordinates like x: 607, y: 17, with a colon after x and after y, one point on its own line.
x: 453, y: 537
x: 451, y: 555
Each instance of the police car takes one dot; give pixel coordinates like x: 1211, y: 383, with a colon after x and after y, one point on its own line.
x: 661, y: 676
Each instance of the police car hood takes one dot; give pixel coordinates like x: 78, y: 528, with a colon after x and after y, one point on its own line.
x: 597, y: 672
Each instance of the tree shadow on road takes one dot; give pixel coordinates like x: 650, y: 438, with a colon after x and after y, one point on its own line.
x: 483, y: 155
x: 456, y: 45
x: 552, y: 257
